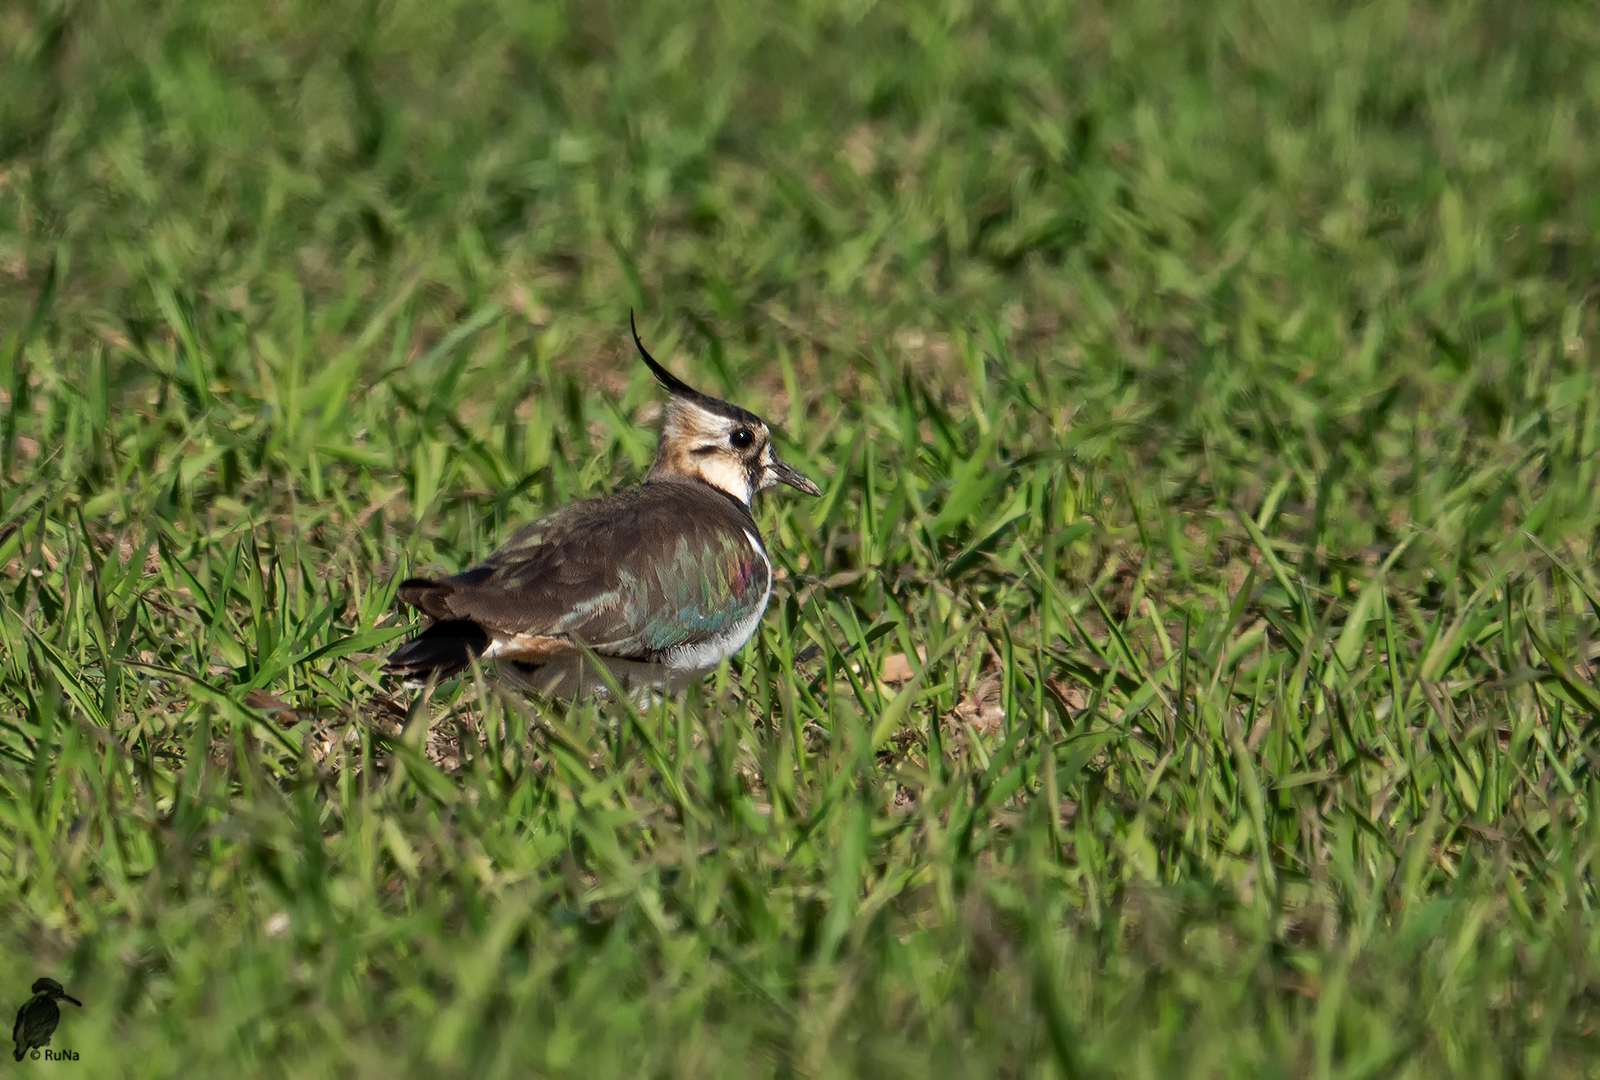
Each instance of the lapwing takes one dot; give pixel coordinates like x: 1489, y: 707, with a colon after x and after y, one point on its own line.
x: 659, y: 582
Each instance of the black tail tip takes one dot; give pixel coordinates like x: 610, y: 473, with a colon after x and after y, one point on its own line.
x: 442, y: 650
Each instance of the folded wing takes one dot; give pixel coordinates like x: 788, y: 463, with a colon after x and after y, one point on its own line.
x: 633, y: 576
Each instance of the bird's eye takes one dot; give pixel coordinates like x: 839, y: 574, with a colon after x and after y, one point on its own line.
x: 741, y: 438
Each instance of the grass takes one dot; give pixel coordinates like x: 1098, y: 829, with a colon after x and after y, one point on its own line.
x: 1189, y: 669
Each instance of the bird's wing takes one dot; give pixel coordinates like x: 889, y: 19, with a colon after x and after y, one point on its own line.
x: 631, y: 575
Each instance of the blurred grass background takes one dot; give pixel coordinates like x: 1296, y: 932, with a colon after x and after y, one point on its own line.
x: 1188, y: 670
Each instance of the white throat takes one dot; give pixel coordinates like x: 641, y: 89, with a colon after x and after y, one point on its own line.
x: 727, y: 475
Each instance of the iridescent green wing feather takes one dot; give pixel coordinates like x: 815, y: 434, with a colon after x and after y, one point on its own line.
x: 632, y: 575
x: 698, y: 593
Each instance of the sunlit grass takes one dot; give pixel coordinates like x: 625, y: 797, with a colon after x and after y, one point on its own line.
x: 1188, y: 668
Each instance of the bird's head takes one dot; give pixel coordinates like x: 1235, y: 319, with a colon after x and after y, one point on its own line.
x: 54, y: 990
x: 707, y: 439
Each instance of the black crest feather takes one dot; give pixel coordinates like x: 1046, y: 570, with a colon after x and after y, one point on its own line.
x: 678, y: 388
x: 663, y: 376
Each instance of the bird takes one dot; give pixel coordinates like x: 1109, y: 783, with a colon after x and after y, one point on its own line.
x: 659, y: 582
x: 38, y: 1017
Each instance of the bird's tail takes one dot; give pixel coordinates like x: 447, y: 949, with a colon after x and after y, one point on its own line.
x: 442, y: 650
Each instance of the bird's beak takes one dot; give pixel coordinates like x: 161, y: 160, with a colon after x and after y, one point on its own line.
x: 75, y: 1001
x: 785, y: 473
